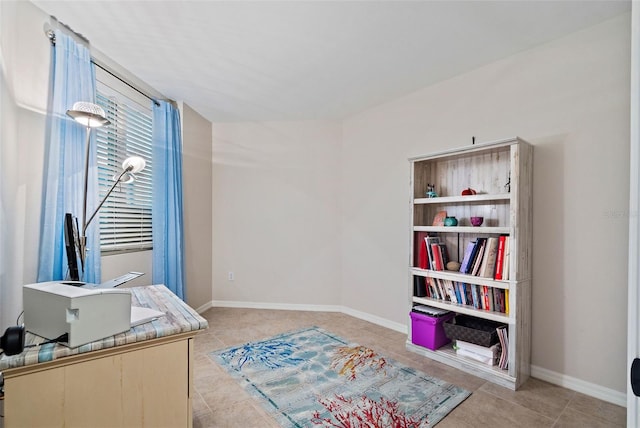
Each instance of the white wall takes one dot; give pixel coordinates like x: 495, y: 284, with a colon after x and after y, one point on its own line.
x: 569, y: 98
x: 24, y: 88
x: 275, y: 211
x: 24, y: 85
x: 276, y: 185
x: 197, y: 200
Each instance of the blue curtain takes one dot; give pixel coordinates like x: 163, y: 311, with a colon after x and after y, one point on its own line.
x: 168, y: 241
x: 72, y: 80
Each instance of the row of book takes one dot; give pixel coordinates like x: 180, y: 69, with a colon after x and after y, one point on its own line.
x: 484, y: 257
x: 478, y: 296
x: 487, y: 257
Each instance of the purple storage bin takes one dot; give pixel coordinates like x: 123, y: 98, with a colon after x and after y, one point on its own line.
x: 429, y: 331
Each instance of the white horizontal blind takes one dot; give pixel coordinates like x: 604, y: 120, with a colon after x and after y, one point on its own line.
x: 125, y: 217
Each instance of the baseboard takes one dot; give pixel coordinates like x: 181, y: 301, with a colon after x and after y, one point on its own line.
x: 275, y: 306
x: 204, y: 307
x: 574, y: 384
x: 314, y: 308
x: 402, y: 328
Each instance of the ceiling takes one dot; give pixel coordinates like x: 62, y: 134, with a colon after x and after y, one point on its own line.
x: 297, y: 60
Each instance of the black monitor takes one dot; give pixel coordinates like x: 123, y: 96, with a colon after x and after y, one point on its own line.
x: 70, y: 242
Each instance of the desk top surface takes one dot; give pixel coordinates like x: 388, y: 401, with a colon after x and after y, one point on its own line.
x: 179, y: 318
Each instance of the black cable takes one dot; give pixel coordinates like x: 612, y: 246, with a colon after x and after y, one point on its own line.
x: 18, y: 319
x: 62, y: 338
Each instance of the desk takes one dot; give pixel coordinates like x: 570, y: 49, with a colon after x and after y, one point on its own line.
x: 140, y: 378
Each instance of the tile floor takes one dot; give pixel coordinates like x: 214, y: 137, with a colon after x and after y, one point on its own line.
x: 220, y: 402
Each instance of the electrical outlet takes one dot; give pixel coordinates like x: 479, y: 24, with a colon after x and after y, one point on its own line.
x: 231, y: 276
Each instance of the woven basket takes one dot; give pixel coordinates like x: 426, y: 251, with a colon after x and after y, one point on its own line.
x: 473, y: 330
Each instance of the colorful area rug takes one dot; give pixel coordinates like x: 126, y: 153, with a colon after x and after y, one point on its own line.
x: 311, y: 377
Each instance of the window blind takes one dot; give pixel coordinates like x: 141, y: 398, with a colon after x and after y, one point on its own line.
x: 125, y: 218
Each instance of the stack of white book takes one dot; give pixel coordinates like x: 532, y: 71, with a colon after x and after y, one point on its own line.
x: 483, y: 354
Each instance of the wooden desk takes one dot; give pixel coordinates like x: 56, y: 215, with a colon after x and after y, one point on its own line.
x: 140, y: 378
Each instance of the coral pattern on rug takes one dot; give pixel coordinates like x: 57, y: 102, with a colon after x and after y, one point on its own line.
x: 365, y: 413
x: 311, y: 377
x: 354, y: 357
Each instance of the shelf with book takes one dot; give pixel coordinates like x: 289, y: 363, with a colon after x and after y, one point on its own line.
x: 464, y: 309
x: 460, y: 277
x: 494, y: 257
x: 447, y: 355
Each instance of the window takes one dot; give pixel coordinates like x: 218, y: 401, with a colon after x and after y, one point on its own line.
x: 125, y: 217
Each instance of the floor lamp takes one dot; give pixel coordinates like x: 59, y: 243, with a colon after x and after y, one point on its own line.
x: 93, y: 116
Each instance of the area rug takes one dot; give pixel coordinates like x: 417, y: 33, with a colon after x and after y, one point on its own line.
x: 311, y: 377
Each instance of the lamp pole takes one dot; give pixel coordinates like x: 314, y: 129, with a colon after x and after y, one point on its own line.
x: 83, y: 238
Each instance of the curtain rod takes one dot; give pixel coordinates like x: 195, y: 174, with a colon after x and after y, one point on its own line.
x: 125, y: 82
x: 52, y: 37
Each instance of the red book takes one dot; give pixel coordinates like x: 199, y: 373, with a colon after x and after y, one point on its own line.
x: 485, y: 297
x: 500, y: 257
x: 420, y: 251
x: 437, y: 256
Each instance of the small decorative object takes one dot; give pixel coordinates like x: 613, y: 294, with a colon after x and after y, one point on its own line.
x: 438, y: 220
x: 508, y: 185
x: 431, y: 193
x: 476, y: 221
x: 455, y: 266
x: 468, y: 191
x: 450, y: 221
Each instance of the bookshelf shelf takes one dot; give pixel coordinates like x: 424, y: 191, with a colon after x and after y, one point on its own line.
x: 447, y: 355
x: 462, y: 199
x: 463, y: 229
x: 501, y: 174
x: 461, y: 277
x: 464, y: 309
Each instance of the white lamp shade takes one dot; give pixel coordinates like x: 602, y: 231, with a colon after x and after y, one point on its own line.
x: 88, y: 114
x: 134, y: 164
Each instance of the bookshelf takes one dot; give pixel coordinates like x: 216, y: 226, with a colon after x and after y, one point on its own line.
x: 501, y: 174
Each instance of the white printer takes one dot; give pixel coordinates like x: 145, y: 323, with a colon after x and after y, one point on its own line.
x: 52, y: 309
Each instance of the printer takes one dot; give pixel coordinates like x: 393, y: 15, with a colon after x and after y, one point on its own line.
x: 52, y: 309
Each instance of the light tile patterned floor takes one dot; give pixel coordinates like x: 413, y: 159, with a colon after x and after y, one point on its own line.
x: 220, y: 402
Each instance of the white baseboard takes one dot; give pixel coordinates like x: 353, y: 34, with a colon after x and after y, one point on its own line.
x: 204, y: 307
x: 313, y: 308
x: 574, y: 384
x: 275, y: 306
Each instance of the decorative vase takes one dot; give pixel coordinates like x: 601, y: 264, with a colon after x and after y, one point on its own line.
x: 450, y: 221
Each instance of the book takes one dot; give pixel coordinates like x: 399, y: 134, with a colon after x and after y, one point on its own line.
x: 453, y: 296
x: 506, y: 302
x: 437, y: 257
x: 445, y: 255
x: 505, y: 264
x: 421, y: 259
x: 429, y: 241
x: 489, y: 261
x: 461, y: 290
x: 486, y: 355
x: 431, y: 290
x: 475, y: 296
x: 468, y: 292
x: 467, y: 256
x: 486, y: 300
x: 503, y: 337
x: 477, y: 261
x: 499, y: 257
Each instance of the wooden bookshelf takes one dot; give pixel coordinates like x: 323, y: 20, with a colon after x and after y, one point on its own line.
x: 501, y: 174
